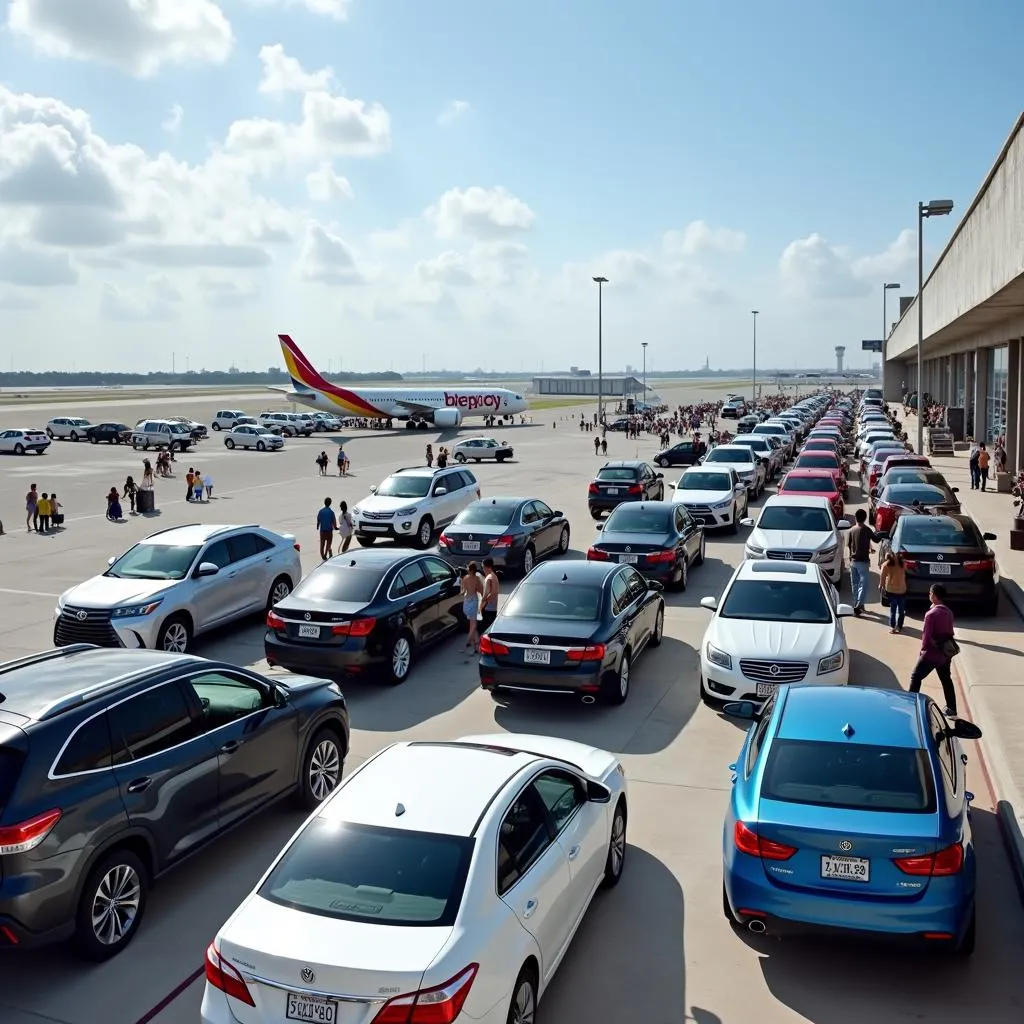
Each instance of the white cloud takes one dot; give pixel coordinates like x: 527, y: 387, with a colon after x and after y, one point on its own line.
x: 222, y: 293
x: 158, y: 300
x: 482, y: 213
x: 325, y: 185
x: 448, y: 268
x: 392, y: 239
x: 284, y: 74
x: 327, y: 258
x: 138, y: 36
x: 30, y: 267
x: 172, y: 123
x: 898, y: 258
x: 812, y: 269
x: 336, y: 9
x: 452, y: 112
x: 697, y: 238
x: 17, y: 302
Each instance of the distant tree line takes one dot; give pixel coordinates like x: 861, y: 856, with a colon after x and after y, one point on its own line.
x: 204, y: 378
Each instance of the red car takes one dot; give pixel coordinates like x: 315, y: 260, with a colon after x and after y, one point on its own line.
x: 895, y: 499
x: 874, y: 467
x: 827, y: 461
x: 828, y: 445
x: 818, y: 482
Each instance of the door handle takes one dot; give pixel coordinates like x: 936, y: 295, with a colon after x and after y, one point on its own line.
x: 139, y: 785
x: 231, y: 575
x: 230, y: 747
x: 574, y: 852
x: 268, y: 559
x: 531, y: 906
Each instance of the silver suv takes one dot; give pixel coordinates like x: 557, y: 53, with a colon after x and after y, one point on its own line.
x: 162, y: 434
x: 413, y: 504
x: 179, y: 583
x: 68, y: 428
x: 290, y: 424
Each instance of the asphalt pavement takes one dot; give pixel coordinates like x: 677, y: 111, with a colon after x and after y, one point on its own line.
x: 656, y: 948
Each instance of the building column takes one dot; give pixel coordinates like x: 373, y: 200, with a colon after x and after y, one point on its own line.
x: 1013, y: 397
x: 981, y: 361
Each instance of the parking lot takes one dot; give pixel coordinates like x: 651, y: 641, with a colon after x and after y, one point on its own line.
x: 657, y: 948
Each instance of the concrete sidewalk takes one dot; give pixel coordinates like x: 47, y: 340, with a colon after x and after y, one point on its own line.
x: 991, y: 665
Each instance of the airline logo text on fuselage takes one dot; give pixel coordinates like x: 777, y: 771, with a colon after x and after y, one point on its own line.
x: 471, y: 402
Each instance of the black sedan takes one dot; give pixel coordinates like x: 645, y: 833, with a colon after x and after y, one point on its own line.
x: 365, y: 613
x: 575, y: 628
x: 623, y: 480
x: 906, y: 475
x: 685, y: 453
x: 514, y: 532
x: 660, y: 538
x: 950, y: 550
x: 112, y: 433
x: 895, y: 499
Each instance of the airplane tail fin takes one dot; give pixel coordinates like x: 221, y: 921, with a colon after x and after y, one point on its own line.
x: 305, y: 376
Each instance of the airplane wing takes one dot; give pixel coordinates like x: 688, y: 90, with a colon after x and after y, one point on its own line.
x: 414, y: 408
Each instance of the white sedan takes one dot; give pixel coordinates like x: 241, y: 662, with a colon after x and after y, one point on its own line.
x: 440, y: 881
x: 246, y: 436
x: 23, y: 440
x: 477, y: 448
x: 777, y: 622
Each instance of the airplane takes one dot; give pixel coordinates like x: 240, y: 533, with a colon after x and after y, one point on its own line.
x: 444, y: 407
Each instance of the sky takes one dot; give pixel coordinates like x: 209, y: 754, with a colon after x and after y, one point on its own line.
x: 403, y: 184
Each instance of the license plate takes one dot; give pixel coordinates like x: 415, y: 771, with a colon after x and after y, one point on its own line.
x: 629, y: 559
x: 313, y: 631
x: 531, y: 657
x: 846, y: 869
x: 613, y: 490
x: 939, y: 569
x: 311, y: 1008
x: 765, y: 689
x: 471, y: 545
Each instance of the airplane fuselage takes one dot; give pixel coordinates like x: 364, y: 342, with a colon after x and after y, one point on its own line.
x: 403, y: 403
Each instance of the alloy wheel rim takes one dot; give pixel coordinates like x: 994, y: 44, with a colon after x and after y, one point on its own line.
x: 176, y: 638
x: 115, y: 906
x: 324, y: 769
x: 280, y: 592
x: 564, y: 541
x: 624, y: 677
x: 400, y: 658
x: 618, y: 845
x: 527, y: 561
x: 659, y: 625
x: 425, y: 534
x: 524, y: 1007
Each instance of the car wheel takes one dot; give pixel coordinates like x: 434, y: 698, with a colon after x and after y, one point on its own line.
x: 19, y: 449
x: 261, y: 446
x: 425, y: 533
x: 661, y: 493
x: 662, y: 462
x: 228, y: 443
x: 616, y: 687
x: 459, y: 457
x: 74, y: 435
x: 659, y: 627
x: 594, y: 514
x: 366, y: 540
x: 175, y: 635
x: 400, y: 660
x: 966, y: 947
x: 616, y: 859
x: 523, y: 1008
x: 563, y: 540
x: 279, y: 590
x: 216, y: 426
x: 684, y: 574
x: 699, y: 560
x: 528, y: 561
x: 321, y: 768
x: 111, y: 906
x: 734, y: 522
x: 94, y: 439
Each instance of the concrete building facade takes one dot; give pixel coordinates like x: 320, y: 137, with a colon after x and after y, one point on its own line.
x: 974, y: 313
x: 613, y: 387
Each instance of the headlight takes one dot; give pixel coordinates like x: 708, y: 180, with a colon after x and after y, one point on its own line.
x: 406, y: 511
x: 135, y: 610
x: 356, y: 511
x: 754, y: 550
x: 832, y: 663
x: 723, y: 504
x: 717, y: 657
x: 827, y: 554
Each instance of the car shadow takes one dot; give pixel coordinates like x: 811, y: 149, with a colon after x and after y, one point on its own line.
x: 640, y: 973
x: 814, y: 977
x: 866, y: 670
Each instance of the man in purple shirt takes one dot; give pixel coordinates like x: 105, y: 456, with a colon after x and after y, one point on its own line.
x: 938, y: 628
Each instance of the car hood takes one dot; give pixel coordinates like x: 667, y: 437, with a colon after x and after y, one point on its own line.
x: 791, y: 540
x: 691, y: 497
x: 379, y: 503
x: 747, y: 638
x: 111, y: 591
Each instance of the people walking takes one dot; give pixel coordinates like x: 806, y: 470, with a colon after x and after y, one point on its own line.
x: 322, y: 461
x: 129, y: 491
x: 147, y: 475
x: 208, y: 484
x: 197, y: 486
x: 471, y: 590
x: 892, y: 581
x: 56, y: 516
x: 43, y: 507
x: 342, y: 461
x: 983, y: 461
x: 972, y: 462
x: 489, y: 598
x: 32, y: 509
x: 938, y: 648
x: 326, y: 524
x: 190, y: 479
x: 114, y: 506
x: 859, y: 543
x: 430, y: 455
x: 346, y: 528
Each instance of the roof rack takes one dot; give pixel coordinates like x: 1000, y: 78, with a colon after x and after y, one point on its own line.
x: 42, y: 656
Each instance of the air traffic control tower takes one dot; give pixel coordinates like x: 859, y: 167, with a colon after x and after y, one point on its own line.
x: 840, y: 353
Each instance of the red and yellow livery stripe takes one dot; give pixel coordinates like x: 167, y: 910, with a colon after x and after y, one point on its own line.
x: 305, y: 375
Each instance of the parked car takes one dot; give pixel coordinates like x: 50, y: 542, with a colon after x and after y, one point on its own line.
x: 819, y: 482
x: 118, y: 764
x: 715, y: 496
x: 198, y: 430
x: 683, y: 453
x: 623, y: 480
x: 22, y: 440
x: 227, y: 419
x: 895, y: 499
x: 771, y: 457
x: 850, y: 813
x: 743, y: 461
x: 111, y: 433
x: 325, y: 421
x: 246, y: 436
x: 162, y: 434
x: 67, y: 428
x: 474, y: 887
x: 476, y: 448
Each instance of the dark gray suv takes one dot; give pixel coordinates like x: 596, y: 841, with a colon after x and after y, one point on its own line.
x: 95, y: 745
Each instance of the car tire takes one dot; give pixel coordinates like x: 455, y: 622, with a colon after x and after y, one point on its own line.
x: 261, y: 446
x: 74, y: 435
x: 424, y: 533
x: 117, y: 887
x: 734, y: 523
x: 529, y: 560
x: 175, y: 635
x: 684, y: 575
x: 615, y: 689
x: 228, y: 443
x: 967, y: 943
x: 659, y: 627
x: 279, y: 590
x: 400, y: 658
x: 19, y: 449
x: 615, y: 861
x: 523, y: 1006
x: 595, y: 514
x: 216, y: 426
x: 365, y: 540
x: 563, y: 540
x: 459, y: 457
x: 662, y: 462
x: 699, y: 560
x: 93, y: 439
x: 322, y: 768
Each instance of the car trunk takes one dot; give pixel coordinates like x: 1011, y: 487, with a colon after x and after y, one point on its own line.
x: 315, y: 625
x: 634, y: 548
x: 617, y: 488
x: 531, y: 642
x: 939, y: 564
x: 854, y: 854
x: 308, y: 958
x: 473, y: 539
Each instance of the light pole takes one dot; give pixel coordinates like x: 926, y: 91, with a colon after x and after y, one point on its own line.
x: 936, y: 208
x: 643, y: 345
x: 754, y: 313
x: 600, y: 282
x: 885, y: 329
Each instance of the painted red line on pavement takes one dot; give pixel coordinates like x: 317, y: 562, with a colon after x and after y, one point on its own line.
x: 170, y: 997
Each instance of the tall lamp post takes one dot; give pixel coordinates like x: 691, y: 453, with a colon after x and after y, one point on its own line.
x: 643, y: 345
x: 600, y: 282
x: 753, y: 399
x: 936, y: 208
x: 885, y: 328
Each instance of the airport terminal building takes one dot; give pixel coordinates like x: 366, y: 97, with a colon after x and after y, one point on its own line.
x: 570, y: 385
x: 974, y: 314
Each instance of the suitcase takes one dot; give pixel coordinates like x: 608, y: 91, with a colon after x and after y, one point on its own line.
x: 145, y: 502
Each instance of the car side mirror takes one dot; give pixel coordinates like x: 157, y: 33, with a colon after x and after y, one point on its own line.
x: 599, y: 527
x: 883, y: 535
x: 373, y: 488
x: 655, y: 586
x: 556, y: 514
x: 988, y: 536
x: 111, y: 561
x: 964, y: 730
x: 873, y: 492
x: 710, y: 603
x: 207, y: 569
x: 598, y: 794
x: 741, y: 709
x: 280, y: 697
x: 439, y: 491
x: 844, y: 610
x: 747, y: 522
x: 955, y: 490
x: 843, y: 524
x: 659, y: 476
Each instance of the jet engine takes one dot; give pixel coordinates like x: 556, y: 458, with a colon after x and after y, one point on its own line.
x: 447, y: 418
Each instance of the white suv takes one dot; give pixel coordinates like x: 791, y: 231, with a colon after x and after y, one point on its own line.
x: 162, y: 434
x: 227, y: 419
x: 413, y: 504
x: 68, y: 428
x: 288, y: 423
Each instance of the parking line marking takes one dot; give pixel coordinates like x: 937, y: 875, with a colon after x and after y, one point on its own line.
x: 159, y: 1008
x: 27, y: 593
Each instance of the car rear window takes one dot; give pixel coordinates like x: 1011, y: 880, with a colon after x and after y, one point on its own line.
x: 373, y: 875
x: 816, y: 461
x: 809, y: 484
x: 776, y: 601
x: 10, y: 768
x: 633, y: 519
x: 849, y: 775
x: 907, y: 494
x: 485, y: 513
x: 555, y: 601
x: 616, y: 473
x: 928, y: 531
x: 346, y: 583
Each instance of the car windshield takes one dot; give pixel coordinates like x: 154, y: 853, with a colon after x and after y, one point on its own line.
x: 575, y: 601
x: 402, y: 486
x: 705, y: 482
x: 776, y: 601
x: 348, y: 584
x: 939, y: 532
x: 747, y: 442
x: 850, y: 775
x: 154, y: 562
x: 815, y: 461
x: 616, y: 473
x: 794, y: 517
x: 631, y: 518
x: 907, y: 494
x: 809, y: 484
x: 374, y: 875
x: 730, y: 455
x: 485, y: 513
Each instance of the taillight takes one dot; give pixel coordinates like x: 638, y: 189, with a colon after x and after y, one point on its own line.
x: 440, y: 1005
x: 27, y: 835
x: 634, y: 489
x: 274, y: 621
x: 597, y: 555
x: 489, y: 646
x: 592, y: 652
x: 504, y: 542
x: 478, y: 494
x: 222, y: 975
x: 354, y: 627
x: 749, y: 842
x: 910, y: 563
x: 443, y: 541
x: 297, y: 546
x: 980, y: 565
x: 594, y: 489
x: 661, y: 556
x: 946, y: 862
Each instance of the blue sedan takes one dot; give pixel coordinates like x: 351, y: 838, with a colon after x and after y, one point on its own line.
x: 850, y: 814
